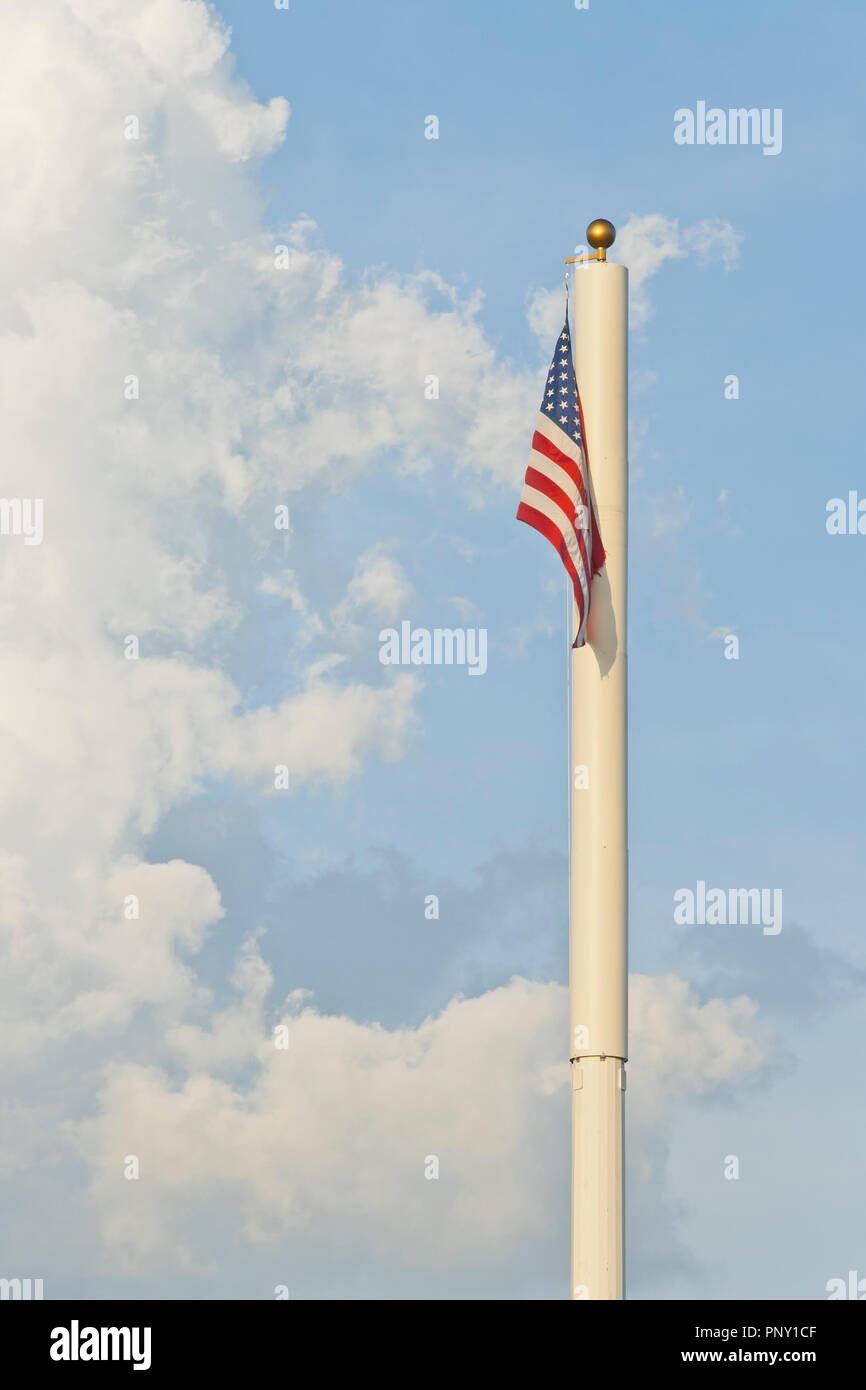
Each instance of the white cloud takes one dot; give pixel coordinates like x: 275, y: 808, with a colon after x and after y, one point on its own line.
x: 332, y: 1133
x: 323, y: 732
x: 644, y: 243
x: 145, y: 258
x: 161, y: 380
x: 714, y: 239
x: 286, y: 586
x: 545, y: 314
x: 379, y: 588
x: 76, y: 966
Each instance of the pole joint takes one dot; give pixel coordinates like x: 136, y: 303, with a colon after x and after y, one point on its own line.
x: 599, y: 1056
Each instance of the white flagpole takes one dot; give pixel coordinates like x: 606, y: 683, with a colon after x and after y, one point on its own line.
x: 599, y: 859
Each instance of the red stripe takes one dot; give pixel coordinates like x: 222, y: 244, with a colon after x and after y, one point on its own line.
x: 542, y: 483
x: 543, y: 524
x: 556, y: 495
x: 543, y: 445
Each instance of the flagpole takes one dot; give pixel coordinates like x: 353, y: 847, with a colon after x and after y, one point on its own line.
x: 598, y: 906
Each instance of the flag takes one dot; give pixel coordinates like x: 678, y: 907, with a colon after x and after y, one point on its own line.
x: 557, y: 492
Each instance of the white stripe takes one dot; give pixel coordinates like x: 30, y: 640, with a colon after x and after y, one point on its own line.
x: 542, y: 503
x: 533, y: 498
x: 567, y: 446
x: 564, y: 523
x: 559, y: 439
x: 542, y: 464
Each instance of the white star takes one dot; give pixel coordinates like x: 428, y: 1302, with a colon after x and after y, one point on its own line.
x: 550, y: 393
x: 563, y: 419
x: 563, y: 376
x: 563, y: 390
x: 549, y: 407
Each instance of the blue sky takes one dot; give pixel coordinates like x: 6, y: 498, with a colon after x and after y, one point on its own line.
x: 742, y: 773
x: 547, y: 118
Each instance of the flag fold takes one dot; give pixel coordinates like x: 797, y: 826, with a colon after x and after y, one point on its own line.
x: 557, y: 497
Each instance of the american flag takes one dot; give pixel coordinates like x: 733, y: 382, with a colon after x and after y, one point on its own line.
x: 557, y: 493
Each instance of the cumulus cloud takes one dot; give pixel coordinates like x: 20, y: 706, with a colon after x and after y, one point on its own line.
x: 286, y: 586
x: 379, y: 587
x: 545, y: 313
x: 170, y: 371
x: 333, y: 1132
x: 163, y: 376
x: 644, y: 243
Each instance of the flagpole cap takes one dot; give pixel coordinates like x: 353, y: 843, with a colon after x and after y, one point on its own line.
x: 601, y: 234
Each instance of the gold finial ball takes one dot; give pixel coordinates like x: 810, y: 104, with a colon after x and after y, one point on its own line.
x: 601, y: 233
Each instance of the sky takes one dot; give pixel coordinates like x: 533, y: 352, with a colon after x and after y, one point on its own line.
x: 231, y: 261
